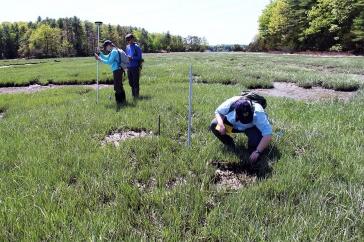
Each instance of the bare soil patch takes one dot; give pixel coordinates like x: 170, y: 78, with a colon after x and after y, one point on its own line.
x: 291, y: 90
x: 175, y: 182
x: 231, y: 177
x: 232, y: 180
x: 146, y: 186
x: 16, y: 65
x: 116, y: 137
x: 37, y: 88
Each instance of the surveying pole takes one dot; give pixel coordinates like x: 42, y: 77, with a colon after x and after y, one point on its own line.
x: 98, y: 24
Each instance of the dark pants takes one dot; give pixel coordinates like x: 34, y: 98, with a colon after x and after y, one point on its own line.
x: 118, y: 86
x: 133, y: 76
x: 254, y: 135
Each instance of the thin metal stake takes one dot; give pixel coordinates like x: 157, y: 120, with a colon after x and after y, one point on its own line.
x: 159, y: 125
x: 190, y: 110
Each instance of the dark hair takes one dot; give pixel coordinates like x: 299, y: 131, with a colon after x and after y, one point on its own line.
x: 107, y: 43
x: 129, y: 37
x: 245, y: 111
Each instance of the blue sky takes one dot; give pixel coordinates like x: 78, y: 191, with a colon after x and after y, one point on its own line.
x: 220, y: 21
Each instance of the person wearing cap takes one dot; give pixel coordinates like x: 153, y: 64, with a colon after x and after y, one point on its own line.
x: 134, y: 53
x: 118, y: 60
x: 241, y: 115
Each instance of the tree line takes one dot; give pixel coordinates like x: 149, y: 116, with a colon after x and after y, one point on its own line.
x: 69, y: 37
x: 316, y: 25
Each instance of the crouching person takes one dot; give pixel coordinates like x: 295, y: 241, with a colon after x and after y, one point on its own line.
x: 241, y: 115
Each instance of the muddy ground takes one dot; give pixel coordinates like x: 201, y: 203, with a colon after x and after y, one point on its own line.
x: 117, y: 137
x: 37, y: 88
x: 291, y: 90
x: 232, y: 179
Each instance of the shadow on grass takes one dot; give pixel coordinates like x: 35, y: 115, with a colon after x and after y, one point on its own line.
x: 118, y: 108
x: 143, y: 98
x: 261, y: 169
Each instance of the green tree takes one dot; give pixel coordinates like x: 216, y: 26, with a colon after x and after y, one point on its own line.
x: 8, y: 41
x: 330, y: 24
x: 273, y: 24
x: 357, y: 29
x: 166, y: 41
x: 45, y: 41
x: 142, y: 37
x: 177, y: 44
x: 79, y: 37
x: 24, y: 50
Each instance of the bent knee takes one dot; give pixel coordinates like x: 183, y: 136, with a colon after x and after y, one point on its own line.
x: 213, y: 125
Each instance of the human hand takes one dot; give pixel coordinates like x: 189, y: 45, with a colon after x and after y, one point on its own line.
x: 222, y: 130
x: 254, y: 156
x: 97, y: 57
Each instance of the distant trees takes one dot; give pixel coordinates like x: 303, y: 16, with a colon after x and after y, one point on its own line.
x: 195, y: 43
x: 320, y: 25
x: 65, y: 37
x: 45, y: 41
x: 228, y: 48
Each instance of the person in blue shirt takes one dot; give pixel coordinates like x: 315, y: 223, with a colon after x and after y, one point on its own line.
x: 118, y: 60
x: 134, y: 53
x: 241, y: 115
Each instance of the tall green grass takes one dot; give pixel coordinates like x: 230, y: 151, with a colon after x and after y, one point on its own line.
x: 57, y: 182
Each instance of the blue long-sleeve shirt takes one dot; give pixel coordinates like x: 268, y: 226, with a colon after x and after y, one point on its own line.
x: 111, y: 59
x: 135, y: 52
x: 260, y: 119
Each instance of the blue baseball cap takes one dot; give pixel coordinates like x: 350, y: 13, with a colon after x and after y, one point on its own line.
x: 244, y: 111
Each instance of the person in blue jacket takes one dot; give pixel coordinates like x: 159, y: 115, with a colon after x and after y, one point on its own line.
x: 118, y: 60
x: 134, y: 53
x: 241, y: 115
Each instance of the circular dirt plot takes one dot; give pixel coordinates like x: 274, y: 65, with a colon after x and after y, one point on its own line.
x: 117, y: 137
x: 231, y: 177
x: 232, y: 180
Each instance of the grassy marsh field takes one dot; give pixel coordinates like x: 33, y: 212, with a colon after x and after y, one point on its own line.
x: 58, y: 182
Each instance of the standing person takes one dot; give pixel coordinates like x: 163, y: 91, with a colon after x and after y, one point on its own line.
x: 242, y: 115
x: 118, y: 60
x: 134, y: 53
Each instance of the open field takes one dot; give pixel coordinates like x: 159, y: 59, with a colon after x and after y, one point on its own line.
x: 248, y: 70
x: 59, y: 181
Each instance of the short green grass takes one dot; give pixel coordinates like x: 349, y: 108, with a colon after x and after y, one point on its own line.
x: 58, y: 183
x: 249, y: 70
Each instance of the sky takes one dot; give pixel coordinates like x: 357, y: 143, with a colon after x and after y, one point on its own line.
x: 220, y: 21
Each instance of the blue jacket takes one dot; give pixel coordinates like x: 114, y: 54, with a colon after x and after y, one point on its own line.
x: 111, y: 59
x: 260, y: 119
x: 135, y: 52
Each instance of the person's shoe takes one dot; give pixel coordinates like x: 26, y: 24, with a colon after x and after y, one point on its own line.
x: 120, y: 98
x: 120, y: 105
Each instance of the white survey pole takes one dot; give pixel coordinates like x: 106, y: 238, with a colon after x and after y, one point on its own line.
x: 190, y: 109
x: 98, y: 24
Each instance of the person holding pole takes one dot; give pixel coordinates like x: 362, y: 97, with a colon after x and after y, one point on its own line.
x: 243, y: 115
x: 134, y: 53
x: 118, y: 60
